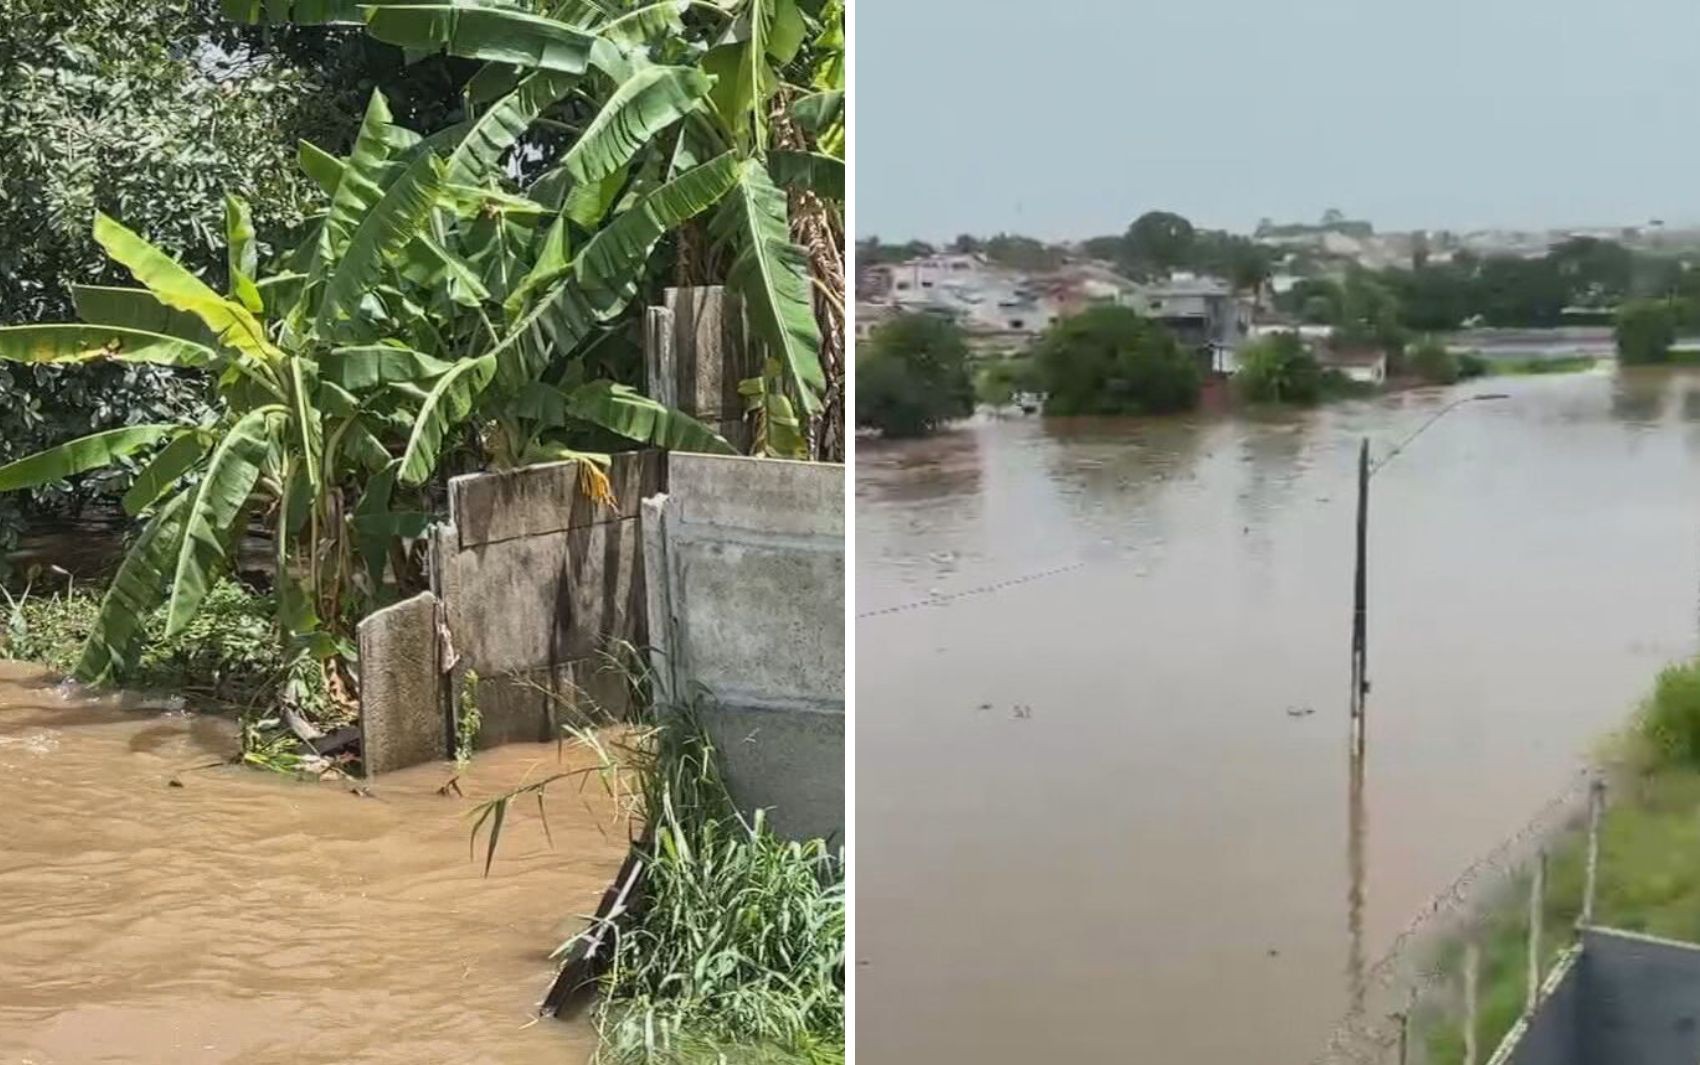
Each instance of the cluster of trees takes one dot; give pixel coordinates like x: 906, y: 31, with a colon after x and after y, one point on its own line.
x: 1508, y: 291
x: 1155, y: 244
x: 461, y: 297
x: 912, y: 376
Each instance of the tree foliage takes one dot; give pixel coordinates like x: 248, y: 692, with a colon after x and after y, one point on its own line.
x: 1279, y: 369
x: 472, y: 292
x: 1645, y: 331
x: 1110, y: 360
x: 912, y: 376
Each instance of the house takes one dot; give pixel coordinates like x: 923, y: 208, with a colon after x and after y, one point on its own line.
x: 1204, y: 313
x: 1366, y: 366
x: 1000, y: 309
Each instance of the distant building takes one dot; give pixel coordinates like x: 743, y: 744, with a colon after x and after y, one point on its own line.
x: 999, y: 308
x: 1204, y: 313
x: 1365, y: 366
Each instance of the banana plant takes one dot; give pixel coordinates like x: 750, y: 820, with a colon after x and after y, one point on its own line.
x: 650, y: 91
x: 342, y: 376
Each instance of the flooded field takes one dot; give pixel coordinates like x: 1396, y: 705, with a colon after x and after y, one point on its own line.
x: 242, y: 917
x: 1103, y: 812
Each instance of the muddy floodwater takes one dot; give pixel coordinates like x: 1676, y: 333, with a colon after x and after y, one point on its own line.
x: 247, y: 918
x: 1102, y: 694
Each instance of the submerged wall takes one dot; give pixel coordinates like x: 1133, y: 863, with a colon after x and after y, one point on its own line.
x: 746, y: 613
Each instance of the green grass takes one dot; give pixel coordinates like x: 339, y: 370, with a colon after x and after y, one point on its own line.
x: 229, y: 653
x: 1528, y: 367
x: 738, y: 951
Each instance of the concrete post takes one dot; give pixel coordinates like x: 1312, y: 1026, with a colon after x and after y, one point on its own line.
x: 660, y: 360
x: 1537, y: 895
x: 1596, y: 804
x: 1472, y: 962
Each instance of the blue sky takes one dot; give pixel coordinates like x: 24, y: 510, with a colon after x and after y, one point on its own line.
x: 1069, y: 118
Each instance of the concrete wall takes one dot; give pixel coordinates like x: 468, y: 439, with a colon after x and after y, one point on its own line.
x: 539, y: 585
x: 746, y: 603
x: 1628, y: 1000
x: 402, y: 718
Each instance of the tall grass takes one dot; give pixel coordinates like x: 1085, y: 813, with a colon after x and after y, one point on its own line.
x: 1669, y: 722
x: 733, y: 951
x: 736, y: 950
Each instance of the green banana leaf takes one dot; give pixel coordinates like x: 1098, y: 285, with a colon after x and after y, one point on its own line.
x: 820, y: 174
x: 83, y: 343
x: 243, y: 255
x: 771, y: 274
x: 173, y: 461
x: 491, y: 34
x: 478, y: 157
x: 137, y: 308
x: 176, y: 287
x: 620, y: 409
x: 136, y: 589
x: 81, y: 455
x: 449, y: 402
x: 197, y: 558
x: 384, y: 231
x: 646, y: 103
x: 358, y: 369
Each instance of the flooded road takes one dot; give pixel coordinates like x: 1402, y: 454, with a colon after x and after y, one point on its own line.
x: 1103, y: 813
x: 247, y: 918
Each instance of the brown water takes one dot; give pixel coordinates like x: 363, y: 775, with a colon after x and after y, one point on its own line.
x: 247, y: 918
x: 1090, y: 828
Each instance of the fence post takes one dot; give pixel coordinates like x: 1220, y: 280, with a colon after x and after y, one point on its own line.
x: 1472, y: 961
x: 1596, y: 803
x: 660, y: 362
x: 1537, y: 893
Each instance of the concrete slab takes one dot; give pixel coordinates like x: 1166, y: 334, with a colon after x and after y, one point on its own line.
x: 402, y: 716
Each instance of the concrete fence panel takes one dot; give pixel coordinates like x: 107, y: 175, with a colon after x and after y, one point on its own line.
x: 746, y: 604
x: 402, y: 718
x: 539, y: 584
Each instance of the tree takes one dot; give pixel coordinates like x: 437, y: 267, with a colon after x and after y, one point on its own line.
x: 1645, y: 331
x: 1110, y: 249
x: 763, y: 79
x: 1279, y: 369
x: 966, y: 243
x: 1022, y: 253
x: 1110, y: 360
x: 1434, y: 363
x: 151, y: 109
x: 912, y: 376
x: 1158, y: 242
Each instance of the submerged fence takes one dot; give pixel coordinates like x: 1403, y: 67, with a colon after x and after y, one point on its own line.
x: 1473, y: 961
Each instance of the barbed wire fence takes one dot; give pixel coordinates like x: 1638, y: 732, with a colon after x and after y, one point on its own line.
x: 1425, y: 988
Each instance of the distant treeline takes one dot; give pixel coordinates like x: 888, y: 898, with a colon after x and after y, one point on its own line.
x: 1433, y: 293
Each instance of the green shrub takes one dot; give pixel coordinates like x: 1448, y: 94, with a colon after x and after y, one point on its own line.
x: 1431, y: 361
x: 1646, y: 329
x: 229, y: 652
x: 912, y: 376
x: 1279, y: 369
x: 1670, y: 717
x: 1110, y: 360
x: 1471, y: 365
x: 1000, y: 382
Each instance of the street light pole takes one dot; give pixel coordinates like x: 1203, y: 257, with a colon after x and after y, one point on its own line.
x: 1360, y: 576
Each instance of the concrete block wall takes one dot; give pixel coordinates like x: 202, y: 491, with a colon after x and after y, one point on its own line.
x: 538, y: 585
x: 746, y: 603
